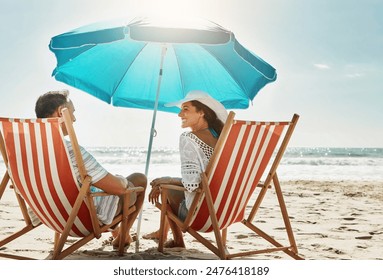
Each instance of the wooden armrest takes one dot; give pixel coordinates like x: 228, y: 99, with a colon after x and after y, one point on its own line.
x: 176, y: 187
x: 172, y: 187
x: 130, y: 190
x: 134, y: 189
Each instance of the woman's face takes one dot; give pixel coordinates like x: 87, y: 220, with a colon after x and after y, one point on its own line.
x: 190, y: 117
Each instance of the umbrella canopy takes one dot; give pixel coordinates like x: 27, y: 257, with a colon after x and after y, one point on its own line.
x: 119, y: 62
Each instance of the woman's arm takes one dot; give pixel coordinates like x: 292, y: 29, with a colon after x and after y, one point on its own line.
x: 156, y: 183
x: 167, y: 181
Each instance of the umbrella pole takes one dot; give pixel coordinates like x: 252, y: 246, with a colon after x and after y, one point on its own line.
x: 152, y: 134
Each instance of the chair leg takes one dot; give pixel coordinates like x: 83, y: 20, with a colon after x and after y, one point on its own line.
x: 23, y: 208
x: 292, y: 249
x: 56, y: 240
x: 162, y: 220
x: 257, y: 203
x: 214, y: 221
x: 285, y: 215
x: 4, y: 183
x: 124, y: 228
x: 205, y: 242
x: 64, y: 235
x: 224, y: 236
x: 16, y: 235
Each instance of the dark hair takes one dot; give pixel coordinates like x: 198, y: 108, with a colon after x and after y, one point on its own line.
x: 48, y: 103
x: 210, y: 116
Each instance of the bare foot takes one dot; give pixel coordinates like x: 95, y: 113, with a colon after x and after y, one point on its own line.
x: 172, y: 244
x: 116, y: 231
x: 153, y: 235
x: 128, y: 241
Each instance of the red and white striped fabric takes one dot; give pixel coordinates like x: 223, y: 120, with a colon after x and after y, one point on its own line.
x: 41, y: 171
x: 236, y: 171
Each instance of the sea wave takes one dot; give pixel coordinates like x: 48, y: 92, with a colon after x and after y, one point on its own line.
x: 333, y: 161
x: 335, y: 152
x: 123, y: 155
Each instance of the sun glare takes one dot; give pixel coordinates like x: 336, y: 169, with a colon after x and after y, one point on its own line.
x: 170, y: 8
x: 177, y: 11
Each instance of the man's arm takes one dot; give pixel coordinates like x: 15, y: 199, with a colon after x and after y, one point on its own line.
x: 112, y: 184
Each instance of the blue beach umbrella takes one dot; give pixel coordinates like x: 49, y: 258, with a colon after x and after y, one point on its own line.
x: 147, y: 62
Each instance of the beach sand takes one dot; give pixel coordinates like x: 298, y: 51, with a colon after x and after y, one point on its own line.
x: 330, y: 220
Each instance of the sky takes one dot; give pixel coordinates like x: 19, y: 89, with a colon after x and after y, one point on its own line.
x: 328, y: 56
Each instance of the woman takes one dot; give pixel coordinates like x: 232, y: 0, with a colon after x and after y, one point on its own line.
x: 205, y: 117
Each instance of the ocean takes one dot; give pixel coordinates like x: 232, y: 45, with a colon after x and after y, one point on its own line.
x: 340, y: 164
x: 365, y: 164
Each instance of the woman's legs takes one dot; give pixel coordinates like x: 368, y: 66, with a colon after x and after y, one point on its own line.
x: 175, y: 198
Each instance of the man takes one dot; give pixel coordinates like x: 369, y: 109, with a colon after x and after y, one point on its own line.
x: 50, y: 105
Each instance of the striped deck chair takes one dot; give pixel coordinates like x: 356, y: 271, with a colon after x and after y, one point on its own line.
x: 240, y: 158
x: 42, y: 176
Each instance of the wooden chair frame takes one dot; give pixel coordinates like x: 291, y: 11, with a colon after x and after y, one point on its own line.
x: 219, y: 248
x: 84, y: 196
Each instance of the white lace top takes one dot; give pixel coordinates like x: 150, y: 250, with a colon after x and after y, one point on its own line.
x: 195, y: 155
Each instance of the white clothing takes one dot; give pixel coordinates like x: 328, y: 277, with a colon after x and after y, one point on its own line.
x: 106, y: 206
x: 195, y: 155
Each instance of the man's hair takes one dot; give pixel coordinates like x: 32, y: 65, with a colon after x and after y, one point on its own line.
x: 48, y: 103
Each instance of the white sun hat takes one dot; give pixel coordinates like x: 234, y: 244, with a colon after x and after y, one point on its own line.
x: 205, y: 99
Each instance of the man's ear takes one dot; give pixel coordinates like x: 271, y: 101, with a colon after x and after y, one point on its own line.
x: 59, y: 111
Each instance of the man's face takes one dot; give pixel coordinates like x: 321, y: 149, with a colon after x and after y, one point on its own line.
x: 71, y: 110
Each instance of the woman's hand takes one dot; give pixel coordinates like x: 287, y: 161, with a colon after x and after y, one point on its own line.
x: 154, y: 194
x: 156, y: 190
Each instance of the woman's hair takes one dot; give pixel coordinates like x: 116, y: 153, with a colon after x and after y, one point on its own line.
x: 210, y: 116
x: 48, y: 103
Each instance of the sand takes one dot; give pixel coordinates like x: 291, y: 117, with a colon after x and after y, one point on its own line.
x: 340, y: 220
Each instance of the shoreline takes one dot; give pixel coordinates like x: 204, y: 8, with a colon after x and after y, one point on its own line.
x: 331, y: 220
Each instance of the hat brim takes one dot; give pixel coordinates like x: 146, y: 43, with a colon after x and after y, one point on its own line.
x: 205, y: 99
